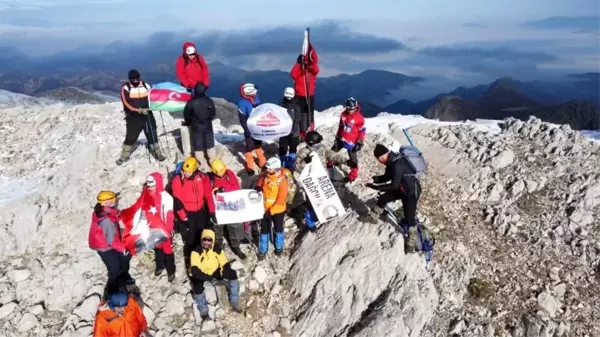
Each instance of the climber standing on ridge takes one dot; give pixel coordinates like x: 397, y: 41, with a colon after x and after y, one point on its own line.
x: 313, y: 141
x: 274, y: 186
x: 164, y: 257
x: 304, y: 73
x: 350, y: 136
x: 191, y: 68
x: 224, y: 180
x: 194, y: 205
x: 105, y: 238
x: 248, y: 101
x: 291, y: 141
x: 120, y: 315
x: 399, y: 183
x: 207, y: 264
x: 199, y: 113
x: 134, y: 96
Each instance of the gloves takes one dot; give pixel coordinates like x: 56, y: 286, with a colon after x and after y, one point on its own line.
x: 376, y: 179
x: 358, y: 146
x: 185, y: 123
x: 372, y: 186
x: 300, y: 59
x: 218, y: 190
x: 144, y: 111
x: 308, y: 159
x: 249, y: 143
x: 213, y: 218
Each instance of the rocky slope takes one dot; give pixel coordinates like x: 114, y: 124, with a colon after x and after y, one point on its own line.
x: 517, y: 251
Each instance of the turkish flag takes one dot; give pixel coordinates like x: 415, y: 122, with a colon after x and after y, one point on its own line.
x: 144, y: 229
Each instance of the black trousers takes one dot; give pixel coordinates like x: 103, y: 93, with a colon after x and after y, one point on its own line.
x: 233, y: 234
x: 290, y: 143
x: 203, y: 140
x: 409, y: 204
x: 268, y: 219
x: 252, y: 144
x: 117, y: 266
x: 353, y: 156
x: 135, y: 124
x: 191, y: 232
x: 308, y: 115
x: 164, y: 261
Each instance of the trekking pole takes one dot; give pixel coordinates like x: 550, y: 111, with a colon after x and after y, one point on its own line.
x: 408, y: 137
x: 148, y: 141
x: 164, y: 130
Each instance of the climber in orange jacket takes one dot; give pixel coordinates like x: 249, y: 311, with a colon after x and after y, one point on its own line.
x: 120, y: 316
x: 274, y: 185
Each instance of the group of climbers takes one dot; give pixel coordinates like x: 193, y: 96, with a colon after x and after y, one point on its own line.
x: 190, y: 201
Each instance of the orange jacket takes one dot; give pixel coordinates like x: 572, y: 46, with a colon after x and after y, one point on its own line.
x: 109, y: 324
x: 275, y: 189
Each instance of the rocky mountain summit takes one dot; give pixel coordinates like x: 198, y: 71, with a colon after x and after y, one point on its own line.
x: 514, y: 215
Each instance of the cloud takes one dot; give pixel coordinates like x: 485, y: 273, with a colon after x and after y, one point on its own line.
x: 565, y: 23
x: 494, y: 54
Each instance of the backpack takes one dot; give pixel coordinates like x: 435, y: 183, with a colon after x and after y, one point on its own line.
x: 292, y: 187
x: 415, y: 158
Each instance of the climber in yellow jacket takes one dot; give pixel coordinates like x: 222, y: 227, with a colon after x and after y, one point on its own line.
x: 274, y: 185
x: 208, y: 264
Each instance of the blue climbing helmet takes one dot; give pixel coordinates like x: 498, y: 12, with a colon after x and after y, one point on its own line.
x: 119, y: 299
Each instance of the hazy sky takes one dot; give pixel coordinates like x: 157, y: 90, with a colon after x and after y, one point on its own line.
x: 459, y: 40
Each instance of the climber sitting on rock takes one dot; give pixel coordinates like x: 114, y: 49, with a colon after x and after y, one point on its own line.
x: 398, y: 183
x: 224, y: 180
x: 164, y: 257
x: 120, y: 315
x: 313, y: 146
x: 350, y: 136
x: 105, y: 238
x: 273, y: 183
x: 207, y: 264
x: 193, y: 200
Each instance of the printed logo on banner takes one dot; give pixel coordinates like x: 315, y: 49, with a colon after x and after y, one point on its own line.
x: 269, y: 119
x: 254, y: 197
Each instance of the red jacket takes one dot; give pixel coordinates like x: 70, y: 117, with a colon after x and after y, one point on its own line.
x: 228, y: 181
x: 96, y: 237
x: 192, y: 194
x: 352, y: 128
x: 311, y: 71
x: 189, y: 72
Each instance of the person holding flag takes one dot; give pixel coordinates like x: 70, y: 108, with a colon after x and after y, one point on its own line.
x: 163, y: 204
x: 105, y: 238
x: 304, y: 73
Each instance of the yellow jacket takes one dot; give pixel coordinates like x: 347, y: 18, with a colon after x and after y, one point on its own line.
x: 275, y: 191
x: 205, y: 262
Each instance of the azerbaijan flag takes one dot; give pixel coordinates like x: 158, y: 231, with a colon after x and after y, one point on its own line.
x: 169, y: 97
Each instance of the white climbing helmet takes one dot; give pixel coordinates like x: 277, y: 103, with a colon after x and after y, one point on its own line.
x: 249, y: 89
x: 273, y: 163
x: 289, y: 93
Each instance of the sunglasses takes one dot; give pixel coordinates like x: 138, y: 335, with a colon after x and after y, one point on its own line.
x: 206, y: 240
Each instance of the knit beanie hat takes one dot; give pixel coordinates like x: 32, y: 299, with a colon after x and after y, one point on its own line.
x: 133, y: 74
x: 380, y: 150
x: 119, y: 299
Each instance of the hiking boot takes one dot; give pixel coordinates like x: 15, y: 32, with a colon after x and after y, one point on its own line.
x: 156, y: 152
x: 313, y: 229
x: 171, y: 278
x: 261, y: 257
x: 125, y: 155
x: 278, y: 252
x: 237, y: 251
x: 375, y: 214
x: 157, y: 272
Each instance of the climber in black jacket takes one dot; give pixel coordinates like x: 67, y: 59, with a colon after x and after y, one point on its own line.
x: 398, y: 183
x: 199, y: 113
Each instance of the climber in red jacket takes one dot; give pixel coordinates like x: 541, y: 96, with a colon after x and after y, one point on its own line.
x: 191, y: 68
x: 304, y: 73
x: 350, y: 136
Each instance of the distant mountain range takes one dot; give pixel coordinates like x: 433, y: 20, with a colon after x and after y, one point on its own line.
x: 95, y: 80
